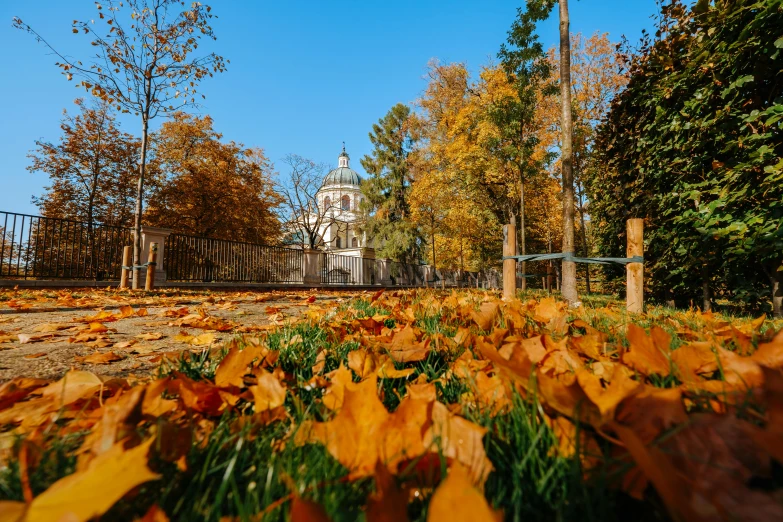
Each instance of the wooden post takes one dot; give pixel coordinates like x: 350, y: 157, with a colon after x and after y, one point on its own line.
x: 126, y: 261
x: 635, y: 271
x: 149, y: 284
x: 549, y: 276
x: 509, y: 265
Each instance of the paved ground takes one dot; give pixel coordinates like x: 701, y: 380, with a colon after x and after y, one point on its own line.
x: 45, y: 334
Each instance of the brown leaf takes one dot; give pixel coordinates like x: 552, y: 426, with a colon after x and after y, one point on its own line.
x: 457, y: 500
x: 404, y: 348
x: 35, y: 355
x: 660, y: 471
x: 362, y: 363
x: 233, y: 367
x: 268, y: 394
x: 486, y: 315
x: 150, y: 336
x: 51, y: 327
x: 100, y: 358
x: 694, y: 359
x: 363, y: 432
x: 389, y: 502
x: 73, y: 386
x: 770, y: 354
x: 547, y: 309
x: 459, y: 439
x: 647, y: 352
x: 307, y: 511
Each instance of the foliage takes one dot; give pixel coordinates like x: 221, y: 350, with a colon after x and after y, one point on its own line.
x: 91, y: 169
x: 411, y: 405
x: 387, y: 191
x: 209, y: 187
x: 141, y: 65
x: 695, y: 146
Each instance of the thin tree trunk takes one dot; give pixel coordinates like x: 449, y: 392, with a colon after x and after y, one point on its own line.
x: 569, y: 267
x: 706, y: 295
x: 776, y: 280
x: 139, y: 204
x: 523, y: 284
x: 584, y: 244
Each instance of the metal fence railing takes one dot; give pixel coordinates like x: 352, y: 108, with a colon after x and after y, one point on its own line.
x: 405, y: 274
x: 36, y: 247
x: 189, y: 258
x: 335, y: 269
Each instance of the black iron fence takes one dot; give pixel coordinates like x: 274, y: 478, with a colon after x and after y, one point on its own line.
x: 35, y: 247
x: 189, y: 258
x: 342, y: 270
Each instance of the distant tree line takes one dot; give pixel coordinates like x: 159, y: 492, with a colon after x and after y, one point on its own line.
x: 196, y: 182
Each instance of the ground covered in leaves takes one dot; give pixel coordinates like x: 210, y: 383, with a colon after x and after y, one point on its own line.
x: 410, y: 405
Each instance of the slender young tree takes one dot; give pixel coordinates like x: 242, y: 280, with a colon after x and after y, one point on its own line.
x: 525, y: 62
x: 143, y: 66
x: 568, y: 285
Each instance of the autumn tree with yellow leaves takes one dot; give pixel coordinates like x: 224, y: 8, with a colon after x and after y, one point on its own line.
x: 212, y: 188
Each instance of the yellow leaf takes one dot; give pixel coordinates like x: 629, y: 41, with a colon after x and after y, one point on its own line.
x: 90, y: 493
x: 457, y: 500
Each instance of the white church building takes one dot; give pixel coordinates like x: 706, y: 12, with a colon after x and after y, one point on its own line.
x: 339, y: 199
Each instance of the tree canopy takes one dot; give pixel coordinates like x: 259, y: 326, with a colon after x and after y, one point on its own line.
x: 694, y: 145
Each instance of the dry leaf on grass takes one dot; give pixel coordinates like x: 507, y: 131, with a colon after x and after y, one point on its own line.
x: 86, y: 494
x: 458, y: 500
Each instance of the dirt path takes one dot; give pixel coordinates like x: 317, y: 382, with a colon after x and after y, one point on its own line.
x: 43, y: 334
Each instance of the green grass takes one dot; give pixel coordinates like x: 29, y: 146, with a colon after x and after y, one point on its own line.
x: 239, y: 471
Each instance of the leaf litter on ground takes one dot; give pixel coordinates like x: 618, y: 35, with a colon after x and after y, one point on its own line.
x: 412, y: 398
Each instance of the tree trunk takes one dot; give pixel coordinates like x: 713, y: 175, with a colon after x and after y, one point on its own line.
x: 776, y: 279
x: 706, y: 295
x: 569, y: 267
x: 139, y: 204
x: 584, y: 245
x: 523, y: 284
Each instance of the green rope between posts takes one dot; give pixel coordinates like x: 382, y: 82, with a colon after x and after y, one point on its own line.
x: 139, y: 267
x: 568, y: 256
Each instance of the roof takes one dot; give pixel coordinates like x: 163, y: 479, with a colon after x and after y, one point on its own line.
x: 342, y: 176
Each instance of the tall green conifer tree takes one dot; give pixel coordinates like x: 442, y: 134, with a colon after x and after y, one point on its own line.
x: 387, y: 191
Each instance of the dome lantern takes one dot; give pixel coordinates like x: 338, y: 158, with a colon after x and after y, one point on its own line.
x: 342, y: 160
x: 343, y: 174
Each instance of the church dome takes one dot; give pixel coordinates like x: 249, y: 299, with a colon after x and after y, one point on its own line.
x: 343, y: 174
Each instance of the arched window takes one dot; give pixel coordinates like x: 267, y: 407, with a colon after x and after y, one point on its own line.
x: 337, y: 242
x: 346, y: 202
x: 355, y: 242
x: 327, y: 202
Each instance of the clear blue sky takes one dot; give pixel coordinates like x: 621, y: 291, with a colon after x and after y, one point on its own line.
x: 304, y: 75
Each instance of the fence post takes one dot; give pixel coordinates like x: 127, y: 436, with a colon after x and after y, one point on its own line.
x: 157, y: 235
x: 311, y: 275
x: 126, y: 261
x: 152, y: 261
x: 635, y: 271
x: 509, y: 265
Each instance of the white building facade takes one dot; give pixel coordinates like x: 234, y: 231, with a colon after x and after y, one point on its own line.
x: 339, y: 198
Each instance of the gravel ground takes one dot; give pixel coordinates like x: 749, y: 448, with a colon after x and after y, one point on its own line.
x: 138, y: 342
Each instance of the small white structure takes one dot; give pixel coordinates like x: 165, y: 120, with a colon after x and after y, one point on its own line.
x: 340, y: 198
